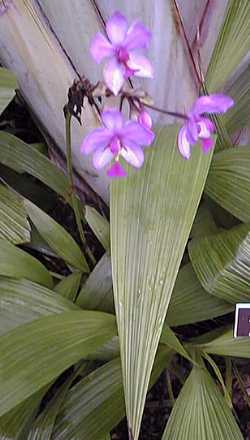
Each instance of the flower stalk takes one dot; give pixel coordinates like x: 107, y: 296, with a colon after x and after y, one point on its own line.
x: 74, y: 199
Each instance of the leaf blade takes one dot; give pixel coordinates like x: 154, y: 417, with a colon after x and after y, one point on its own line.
x: 44, y: 348
x: 146, y: 254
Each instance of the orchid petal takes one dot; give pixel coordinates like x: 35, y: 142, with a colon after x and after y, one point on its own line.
x: 134, y: 132
x: 116, y: 28
x: 192, y: 131
x: 114, y: 75
x: 140, y: 65
x: 138, y: 37
x: 207, y: 144
x: 133, y: 154
x: 100, y: 48
x: 183, y: 143
x: 145, y: 119
x: 116, y: 171
x: 98, y: 138
x: 217, y: 103
x: 102, y: 157
x: 206, y: 128
x: 112, y: 119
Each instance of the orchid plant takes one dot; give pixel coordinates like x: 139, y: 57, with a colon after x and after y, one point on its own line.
x: 117, y: 138
x: 90, y: 319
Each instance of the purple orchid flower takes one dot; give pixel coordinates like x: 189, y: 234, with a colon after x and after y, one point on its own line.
x: 199, y: 127
x: 121, y: 49
x: 117, y: 138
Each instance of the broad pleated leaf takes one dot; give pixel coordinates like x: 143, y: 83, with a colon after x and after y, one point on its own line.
x: 8, y: 84
x: 35, y: 353
x: 23, y: 301
x: 95, y: 405
x: 14, y: 225
x: 99, y: 225
x: 16, y: 263
x: 190, y: 303
x: 228, y: 181
x: 151, y: 216
x: 97, y: 292
x: 69, y: 286
x: 232, y: 45
x: 44, y: 424
x: 204, y: 223
x: 22, y: 158
x: 227, y: 345
x: 169, y: 338
x: 58, y: 239
x: 222, y: 263
x: 238, y: 117
x: 14, y: 424
x: 201, y: 412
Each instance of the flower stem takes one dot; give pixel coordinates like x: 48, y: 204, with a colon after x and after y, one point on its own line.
x: 166, y: 112
x: 74, y: 198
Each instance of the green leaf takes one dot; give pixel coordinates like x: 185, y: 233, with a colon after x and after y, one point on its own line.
x: 222, y: 263
x: 44, y: 424
x: 33, y: 354
x: 204, y: 223
x: 69, y: 286
x: 8, y: 84
x: 16, y: 263
x: 200, y: 412
x: 152, y: 212
x: 97, y: 291
x: 169, y: 338
x: 23, y: 301
x: 95, y: 405
x: 14, y: 225
x: 14, y: 424
x: 227, y: 345
x: 232, y: 45
x: 239, y: 90
x: 228, y: 181
x: 190, y: 303
x: 58, y: 239
x: 22, y: 158
x: 99, y: 225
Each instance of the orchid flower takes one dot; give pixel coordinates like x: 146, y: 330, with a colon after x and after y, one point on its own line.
x: 117, y: 138
x: 121, y: 49
x: 198, y: 126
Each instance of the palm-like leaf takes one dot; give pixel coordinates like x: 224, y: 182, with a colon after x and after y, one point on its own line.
x: 148, y: 237
x: 14, y: 225
x: 201, y: 412
x: 222, y: 263
x: 44, y: 348
x: 228, y: 181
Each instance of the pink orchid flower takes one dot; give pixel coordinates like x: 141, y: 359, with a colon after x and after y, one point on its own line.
x: 199, y: 127
x: 117, y: 138
x: 121, y: 49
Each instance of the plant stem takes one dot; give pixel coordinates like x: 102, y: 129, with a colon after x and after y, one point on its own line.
x: 166, y: 112
x: 74, y: 199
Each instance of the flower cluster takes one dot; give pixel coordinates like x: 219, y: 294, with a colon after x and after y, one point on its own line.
x: 121, y: 48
